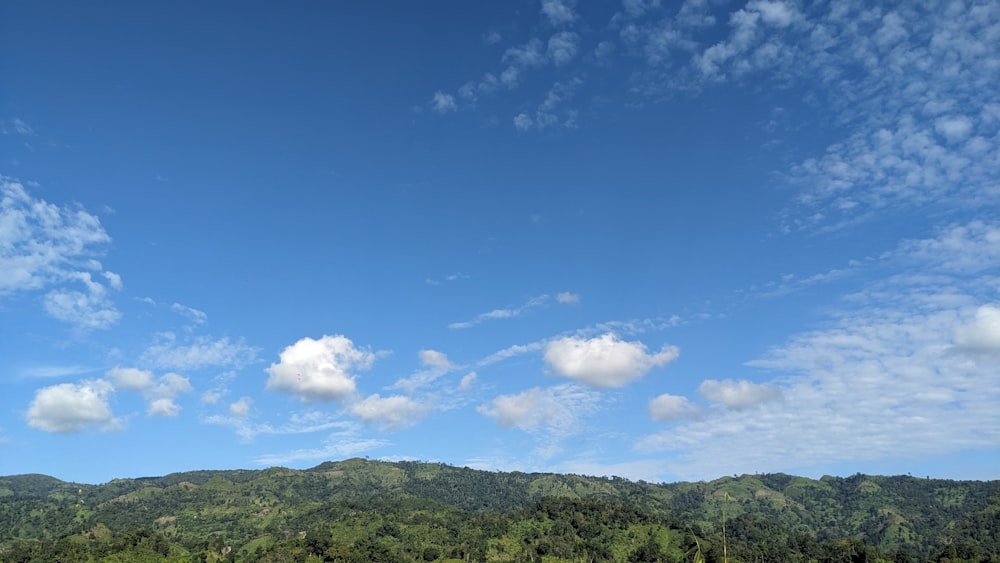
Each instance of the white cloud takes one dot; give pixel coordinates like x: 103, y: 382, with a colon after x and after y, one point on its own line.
x: 299, y: 423
x: 779, y: 14
x: 531, y: 54
x: 738, y: 395
x: 467, y: 381
x: 345, y: 442
x: 562, y: 47
x: 319, y: 370
x: 958, y: 249
x: 492, y: 38
x: 163, y: 407
x: 91, y: 309
x: 69, y: 407
x: 559, y: 12
x: 567, y: 298
x: 435, y: 363
x: 131, y: 378
x: 523, y: 121
x: 604, y: 361
x: 907, y: 369
x: 211, y: 397
x: 196, y: 316
x: 671, y: 407
x: 954, y: 128
x: 391, y: 412
x: 160, y: 391
x: 170, y: 385
x: 16, y: 126
x: 554, y: 411
x: 508, y: 313
x: 45, y: 245
x: 338, y: 446
x: 114, y: 280
x: 434, y: 359
x: 198, y: 353
x: 511, y: 351
x: 443, y: 103
x: 241, y: 407
x: 983, y: 333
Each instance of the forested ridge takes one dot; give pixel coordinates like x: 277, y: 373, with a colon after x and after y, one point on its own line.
x: 361, y: 510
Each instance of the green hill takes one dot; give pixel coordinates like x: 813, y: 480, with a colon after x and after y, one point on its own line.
x: 360, y: 510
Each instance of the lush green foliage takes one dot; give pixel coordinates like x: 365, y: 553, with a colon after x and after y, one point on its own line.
x: 358, y: 510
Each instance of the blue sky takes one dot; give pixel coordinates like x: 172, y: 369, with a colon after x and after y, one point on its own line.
x: 659, y: 240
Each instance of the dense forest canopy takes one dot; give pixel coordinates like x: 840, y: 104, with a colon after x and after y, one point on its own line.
x: 361, y: 510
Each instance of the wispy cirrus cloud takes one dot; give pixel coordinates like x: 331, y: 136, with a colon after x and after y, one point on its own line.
x: 908, y: 89
x: 16, y: 126
x: 346, y: 442
x: 171, y: 352
x: 434, y: 364
x: 905, y: 367
x: 241, y: 421
x: 552, y: 414
x: 506, y: 313
x: 194, y: 315
x: 46, y: 246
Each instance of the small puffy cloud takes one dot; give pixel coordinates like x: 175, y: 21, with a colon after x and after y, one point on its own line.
x: 131, y: 378
x: 201, y: 352
x: 114, y: 280
x: 567, y: 298
x: 241, y: 407
x: 738, y: 395
x: 434, y: 359
x: 954, y: 128
x: 523, y: 121
x: 562, y: 47
x: 170, y: 385
x: 211, y: 397
x: 319, y: 370
x: 160, y: 392
x: 671, y: 407
x: 983, y: 333
x: 555, y: 411
x: 776, y: 13
x: 559, y: 12
x: 604, y: 361
x: 467, y: 381
x: 392, y: 412
x: 442, y: 102
x: 163, y: 407
x: 492, y: 38
x: 531, y: 54
x: 69, y: 407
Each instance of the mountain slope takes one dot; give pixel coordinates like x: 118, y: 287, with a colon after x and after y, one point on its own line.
x: 415, y: 511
